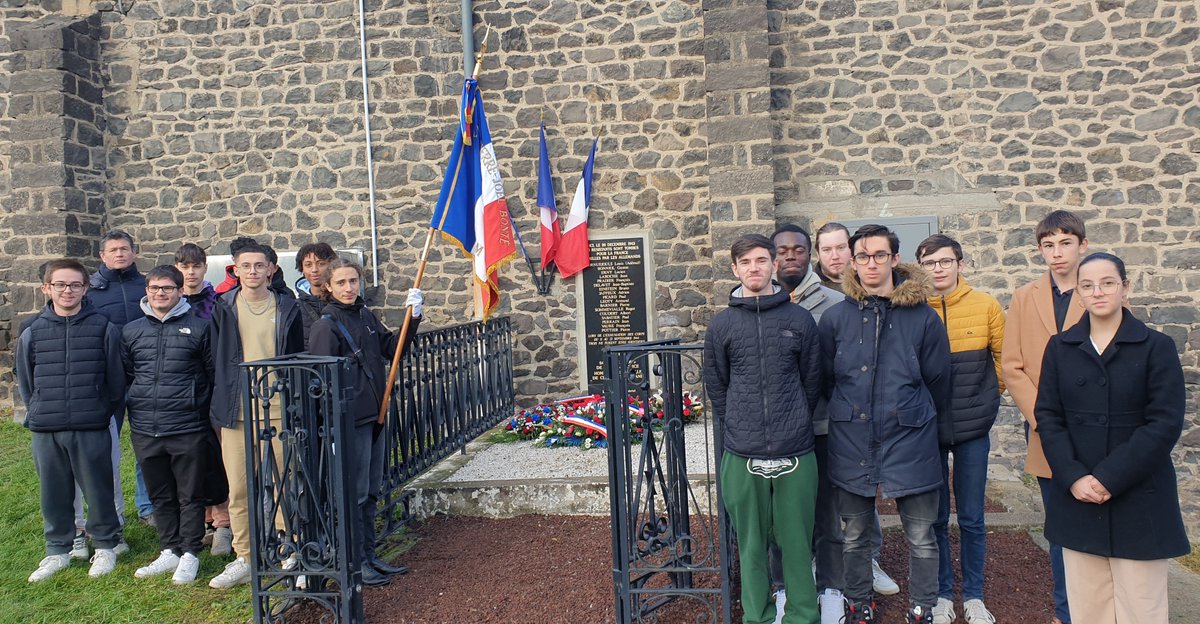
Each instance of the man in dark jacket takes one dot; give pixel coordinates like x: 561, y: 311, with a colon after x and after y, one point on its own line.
x: 116, y: 291
x: 192, y: 262
x: 887, y: 367
x: 167, y: 356
x: 311, y: 260
x: 251, y: 322
x: 70, y: 377
x: 762, y: 373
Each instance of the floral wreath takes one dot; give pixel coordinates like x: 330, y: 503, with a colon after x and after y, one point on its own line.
x: 580, y: 421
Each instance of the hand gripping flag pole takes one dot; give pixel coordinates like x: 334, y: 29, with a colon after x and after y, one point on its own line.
x: 465, y: 136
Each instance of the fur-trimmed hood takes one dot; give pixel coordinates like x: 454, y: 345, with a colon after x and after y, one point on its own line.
x: 913, y: 286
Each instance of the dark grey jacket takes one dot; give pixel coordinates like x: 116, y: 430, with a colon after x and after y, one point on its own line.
x: 887, y: 370
x: 762, y: 373
x: 69, y: 371
x: 228, y: 379
x: 117, y: 294
x: 169, y: 368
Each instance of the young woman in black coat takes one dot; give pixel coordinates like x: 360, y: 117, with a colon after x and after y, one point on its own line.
x: 348, y: 329
x: 1110, y: 408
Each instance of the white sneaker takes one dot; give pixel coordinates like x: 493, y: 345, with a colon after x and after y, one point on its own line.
x: 780, y: 602
x: 50, y: 566
x: 976, y: 613
x: 103, y: 562
x: 236, y: 573
x: 79, y: 547
x: 943, y: 611
x: 833, y: 606
x: 121, y: 548
x: 167, y: 562
x: 185, y: 572
x: 883, y: 584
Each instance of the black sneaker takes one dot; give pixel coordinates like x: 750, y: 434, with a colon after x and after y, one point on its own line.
x: 860, y: 612
x: 920, y: 615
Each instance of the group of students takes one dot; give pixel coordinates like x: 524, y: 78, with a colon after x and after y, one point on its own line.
x: 165, y: 348
x: 862, y: 375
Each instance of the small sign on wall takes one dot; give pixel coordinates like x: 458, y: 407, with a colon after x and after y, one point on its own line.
x: 615, y: 298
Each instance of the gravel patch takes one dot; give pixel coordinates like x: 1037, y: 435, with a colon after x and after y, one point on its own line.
x: 525, y: 460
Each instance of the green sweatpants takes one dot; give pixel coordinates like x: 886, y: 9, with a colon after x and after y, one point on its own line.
x: 773, y: 501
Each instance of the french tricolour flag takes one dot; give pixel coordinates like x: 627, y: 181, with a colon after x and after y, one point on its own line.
x: 545, y: 201
x: 471, y: 210
x: 574, y: 251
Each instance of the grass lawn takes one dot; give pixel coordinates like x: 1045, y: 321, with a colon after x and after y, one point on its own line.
x: 72, y: 596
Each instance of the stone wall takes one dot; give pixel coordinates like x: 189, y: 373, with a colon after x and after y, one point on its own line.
x: 227, y: 118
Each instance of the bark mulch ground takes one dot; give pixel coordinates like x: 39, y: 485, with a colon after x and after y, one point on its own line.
x: 550, y: 569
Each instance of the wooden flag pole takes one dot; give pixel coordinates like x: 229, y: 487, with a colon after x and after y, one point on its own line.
x: 395, y: 368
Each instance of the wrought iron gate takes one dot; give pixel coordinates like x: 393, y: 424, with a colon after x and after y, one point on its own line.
x: 671, y: 541
x: 299, y: 488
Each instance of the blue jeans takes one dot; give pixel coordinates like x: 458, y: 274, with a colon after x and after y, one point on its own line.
x: 141, y: 497
x: 1061, y: 610
x: 918, y: 513
x: 970, y: 485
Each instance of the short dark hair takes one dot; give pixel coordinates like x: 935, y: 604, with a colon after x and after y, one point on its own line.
x: 832, y: 226
x: 1063, y: 221
x: 165, y: 271
x: 190, y: 253
x: 112, y: 235
x: 50, y: 267
x: 792, y: 227
x: 239, y: 242
x: 872, y: 230
x: 1100, y: 255
x: 937, y: 242
x: 250, y: 248
x: 321, y: 250
x: 748, y: 242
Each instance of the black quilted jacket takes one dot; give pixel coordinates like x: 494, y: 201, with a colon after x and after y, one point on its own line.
x: 169, y: 368
x: 762, y: 373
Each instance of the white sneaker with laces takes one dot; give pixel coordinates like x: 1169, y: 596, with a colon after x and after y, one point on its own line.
x: 976, y: 613
x: 833, y: 606
x: 236, y: 573
x: 943, y: 611
x: 50, y: 566
x: 167, y: 562
x: 882, y: 583
x: 780, y: 602
x: 79, y: 547
x: 103, y: 562
x: 185, y: 572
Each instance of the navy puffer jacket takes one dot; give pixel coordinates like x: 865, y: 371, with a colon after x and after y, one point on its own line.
x: 887, y: 370
x: 69, y: 370
x: 762, y: 374
x: 118, y: 294
x: 169, y: 368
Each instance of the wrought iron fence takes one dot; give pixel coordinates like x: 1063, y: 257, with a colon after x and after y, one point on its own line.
x: 455, y: 384
x: 671, y: 541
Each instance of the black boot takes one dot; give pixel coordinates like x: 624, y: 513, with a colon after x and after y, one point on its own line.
x: 384, y: 567
x: 372, y: 578
x: 920, y: 615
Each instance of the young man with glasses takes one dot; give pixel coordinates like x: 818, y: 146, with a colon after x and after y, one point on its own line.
x: 974, y: 323
x: 70, y: 377
x: 887, y: 372
x: 251, y: 322
x: 1039, y: 311
x: 167, y: 355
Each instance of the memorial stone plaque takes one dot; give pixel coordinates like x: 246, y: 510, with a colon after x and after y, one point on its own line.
x: 616, y: 301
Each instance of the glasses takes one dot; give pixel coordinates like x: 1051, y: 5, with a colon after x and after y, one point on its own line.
x: 161, y: 289
x: 881, y: 257
x: 941, y: 263
x: 61, y: 286
x: 1106, y: 287
x: 257, y: 267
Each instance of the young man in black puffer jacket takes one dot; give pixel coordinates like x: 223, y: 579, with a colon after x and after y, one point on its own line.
x: 887, y: 368
x: 763, y: 376
x: 168, y: 360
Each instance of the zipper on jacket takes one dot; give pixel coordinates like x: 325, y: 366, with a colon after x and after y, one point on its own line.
x: 762, y: 373
x: 67, y: 362
x: 946, y: 324
x: 158, y: 370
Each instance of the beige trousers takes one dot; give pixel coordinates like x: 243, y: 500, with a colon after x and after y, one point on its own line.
x: 233, y: 453
x: 1107, y: 590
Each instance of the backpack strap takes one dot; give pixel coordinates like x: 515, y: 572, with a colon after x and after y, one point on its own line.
x: 355, y: 351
